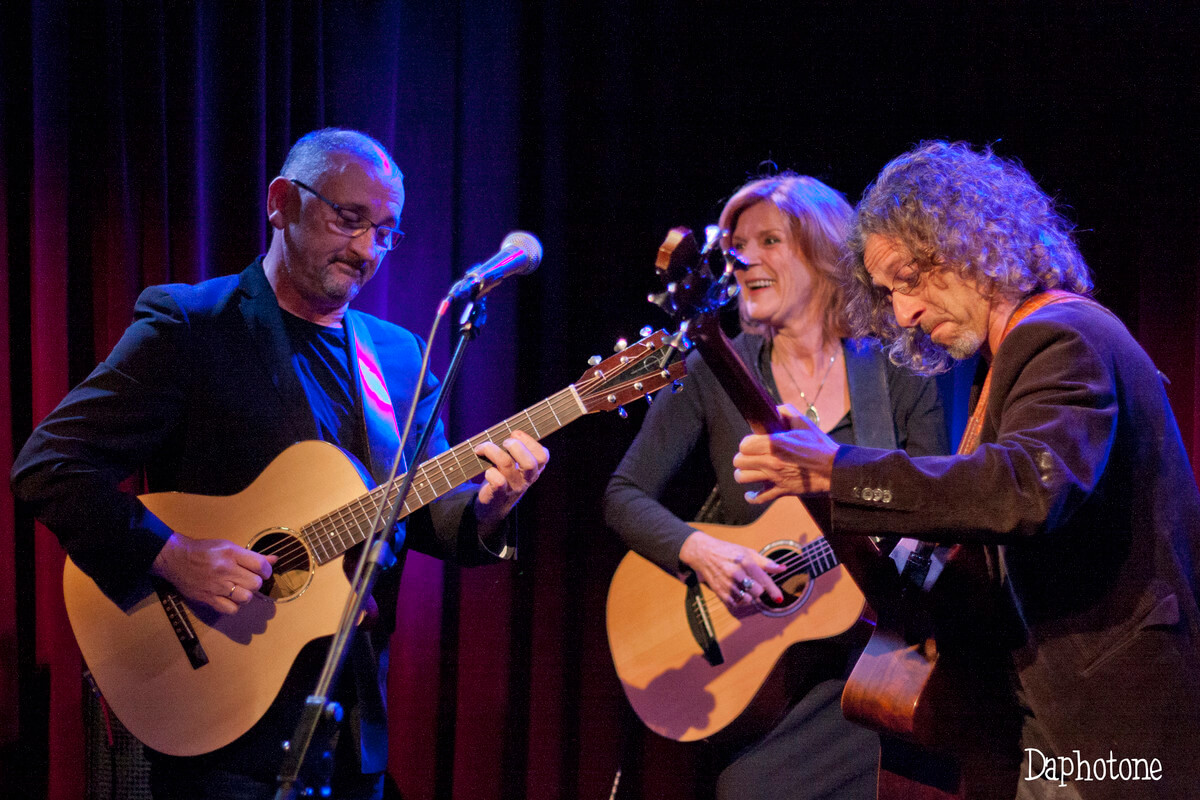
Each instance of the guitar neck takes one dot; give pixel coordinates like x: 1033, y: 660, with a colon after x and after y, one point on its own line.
x: 747, y: 394
x: 338, y: 531
x: 818, y: 557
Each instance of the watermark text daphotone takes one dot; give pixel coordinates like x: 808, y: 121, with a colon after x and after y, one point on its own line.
x: 1077, y: 768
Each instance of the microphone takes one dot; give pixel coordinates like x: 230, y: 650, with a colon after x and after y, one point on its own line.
x: 520, y: 253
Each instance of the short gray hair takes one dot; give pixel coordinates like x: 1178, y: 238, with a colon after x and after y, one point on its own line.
x: 312, y: 155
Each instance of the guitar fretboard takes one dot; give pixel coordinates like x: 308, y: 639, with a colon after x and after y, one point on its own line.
x: 818, y: 557
x: 338, y: 531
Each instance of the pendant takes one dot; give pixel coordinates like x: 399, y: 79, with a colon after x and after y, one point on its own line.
x: 811, y: 413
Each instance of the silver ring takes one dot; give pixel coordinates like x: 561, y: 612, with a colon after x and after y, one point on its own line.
x: 747, y: 584
x: 737, y: 598
x: 232, y: 589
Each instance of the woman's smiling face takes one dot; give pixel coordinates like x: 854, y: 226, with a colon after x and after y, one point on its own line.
x: 777, y: 283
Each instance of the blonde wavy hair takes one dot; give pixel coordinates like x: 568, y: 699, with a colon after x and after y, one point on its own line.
x: 818, y: 220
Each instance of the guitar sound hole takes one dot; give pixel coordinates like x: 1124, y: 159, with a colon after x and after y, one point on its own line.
x: 294, y: 567
x: 795, y: 587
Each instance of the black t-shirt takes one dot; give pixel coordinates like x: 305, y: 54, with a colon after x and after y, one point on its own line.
x: 321, y: 359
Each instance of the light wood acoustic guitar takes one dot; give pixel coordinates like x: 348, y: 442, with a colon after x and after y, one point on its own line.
x: 688, y: 665
x: 186, y: 680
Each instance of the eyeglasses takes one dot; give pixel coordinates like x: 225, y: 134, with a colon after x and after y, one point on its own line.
x: 907, y: 279
x: 353, y: 224
x: 905, y: 282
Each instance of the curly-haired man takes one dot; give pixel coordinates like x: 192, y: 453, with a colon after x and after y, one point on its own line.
x: 1072, y: 474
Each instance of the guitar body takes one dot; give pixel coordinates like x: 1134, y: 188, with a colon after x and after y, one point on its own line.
x: 950, y: 695
x: 135, y: 656
x: 671, y: 685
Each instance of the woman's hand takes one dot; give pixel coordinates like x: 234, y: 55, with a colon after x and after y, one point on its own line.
x: 736, y: 573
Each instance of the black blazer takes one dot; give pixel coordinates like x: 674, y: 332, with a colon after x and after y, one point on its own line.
x: 1083, y: 491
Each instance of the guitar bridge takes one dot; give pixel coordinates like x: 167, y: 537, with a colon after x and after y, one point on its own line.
x: 172, y: 603
x: 701, y: 623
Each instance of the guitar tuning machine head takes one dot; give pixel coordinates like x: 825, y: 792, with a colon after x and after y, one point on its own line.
x: 622, y: 413
x: 621, y: 344
x: 649, y: 399
x: 662, y: 300
x: 645, y: 331
x: 594, y: 361
x: 712, y: 233
x: 675, y: 387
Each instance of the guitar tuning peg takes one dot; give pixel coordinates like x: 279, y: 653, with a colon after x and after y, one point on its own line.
x: 645, y: 331
x: 676, y: 386
x: 594, y: 361
x: 649, y: 399
x: 621, y: 344
x: 622, y: 413
x: 671, y: 287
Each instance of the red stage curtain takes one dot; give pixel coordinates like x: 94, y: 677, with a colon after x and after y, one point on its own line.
x: 137, y: 141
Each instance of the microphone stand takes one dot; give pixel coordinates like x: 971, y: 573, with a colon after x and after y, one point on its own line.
x: 318, y: 720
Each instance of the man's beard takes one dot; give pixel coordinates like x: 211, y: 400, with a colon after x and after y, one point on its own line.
x: 964, y: 345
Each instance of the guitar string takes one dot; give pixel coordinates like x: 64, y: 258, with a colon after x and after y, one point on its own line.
x: 296, y: 555
x: 346, y: 520
x: 292, y: 551
x: 795, y: 563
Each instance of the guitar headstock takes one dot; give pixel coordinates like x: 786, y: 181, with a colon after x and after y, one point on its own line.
x: 697, y: 282
x: 634, y: 372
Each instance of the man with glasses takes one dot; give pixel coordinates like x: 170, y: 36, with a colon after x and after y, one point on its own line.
x: 208, y: 385
x: 1072, y: 475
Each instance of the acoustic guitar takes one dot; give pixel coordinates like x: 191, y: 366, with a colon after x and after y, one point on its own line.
x: 691, y: 668
x: 186, y: 680
x: 933, y: 677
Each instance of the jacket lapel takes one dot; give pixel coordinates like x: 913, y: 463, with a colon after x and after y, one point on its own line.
x: 264, y: 322
x: 379, y: 417
x: 869, y: 398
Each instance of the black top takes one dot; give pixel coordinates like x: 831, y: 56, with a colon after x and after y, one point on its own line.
x: 812, y: 752
x: 703, y: 417
x: 321, y: 359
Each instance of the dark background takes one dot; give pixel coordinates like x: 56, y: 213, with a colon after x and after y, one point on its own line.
x: 138, y: 139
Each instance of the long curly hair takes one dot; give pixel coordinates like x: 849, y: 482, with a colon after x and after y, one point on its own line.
x: 971, y: 212
x: 818, y: 220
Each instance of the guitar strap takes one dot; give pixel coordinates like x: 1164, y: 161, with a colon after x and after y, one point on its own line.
x: 922, y: 555
x: 379, y: 417
x: 368, y: 719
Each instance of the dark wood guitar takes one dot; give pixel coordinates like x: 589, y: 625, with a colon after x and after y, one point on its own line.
x: 932, y: 680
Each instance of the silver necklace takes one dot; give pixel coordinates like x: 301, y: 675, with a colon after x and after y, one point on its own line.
x: 811, y: 411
